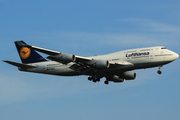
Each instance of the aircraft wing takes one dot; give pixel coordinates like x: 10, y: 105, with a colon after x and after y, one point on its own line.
x: 57, y: 56
x: 20, y: 65
x: 85, y: 68
x: 82, y: 63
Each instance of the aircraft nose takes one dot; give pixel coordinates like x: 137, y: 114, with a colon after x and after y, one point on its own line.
x: 175, y: 55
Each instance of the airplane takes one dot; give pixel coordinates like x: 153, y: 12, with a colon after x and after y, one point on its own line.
x: 115, y: 67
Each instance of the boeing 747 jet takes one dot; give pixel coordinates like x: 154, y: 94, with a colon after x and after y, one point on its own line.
x: 114, y: 67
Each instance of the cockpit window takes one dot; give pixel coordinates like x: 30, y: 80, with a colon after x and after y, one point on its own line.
x: 163, y: 48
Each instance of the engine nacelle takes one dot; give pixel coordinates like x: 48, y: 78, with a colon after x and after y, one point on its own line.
x: 129, y: 75
x: 102, y: 64
x: 117, y: 79
x: 66, y: 58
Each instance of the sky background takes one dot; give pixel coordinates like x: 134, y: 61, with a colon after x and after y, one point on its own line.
x: 88, y: 28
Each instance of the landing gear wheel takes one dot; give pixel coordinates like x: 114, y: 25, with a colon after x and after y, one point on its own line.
x: 159, y: 72
x: 106, y: 82
x: 98, y: 79
x: 90, y: 78
x: 94, y: 80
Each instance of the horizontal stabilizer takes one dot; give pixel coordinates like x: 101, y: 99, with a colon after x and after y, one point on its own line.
x: 20, y: 65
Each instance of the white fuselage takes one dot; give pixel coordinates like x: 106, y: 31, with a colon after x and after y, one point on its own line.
x: 140, y: 58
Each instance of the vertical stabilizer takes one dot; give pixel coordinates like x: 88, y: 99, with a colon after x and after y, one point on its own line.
x: 26, y: 54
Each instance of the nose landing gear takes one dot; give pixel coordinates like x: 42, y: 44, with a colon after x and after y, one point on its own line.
x: 159, y: 71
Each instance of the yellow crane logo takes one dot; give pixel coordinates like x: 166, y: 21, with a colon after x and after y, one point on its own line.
x: 25, y: 52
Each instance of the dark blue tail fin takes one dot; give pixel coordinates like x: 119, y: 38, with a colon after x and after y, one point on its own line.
x: 28, y: 55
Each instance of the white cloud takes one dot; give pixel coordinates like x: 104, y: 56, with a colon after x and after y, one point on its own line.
x: 152, y: 25
x: 146, y: 33
x: 84, y: 39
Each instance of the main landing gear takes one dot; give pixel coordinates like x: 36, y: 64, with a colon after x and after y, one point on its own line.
x: 94, y: 78
x: 106, y: 82
x: 159, y: 71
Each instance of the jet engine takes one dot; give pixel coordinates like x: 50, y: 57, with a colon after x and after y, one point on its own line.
x: 102, y: 64
x: 68, y: 57
x: 129, y: 75
x: 64, y: 58
x: 117, y: 79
